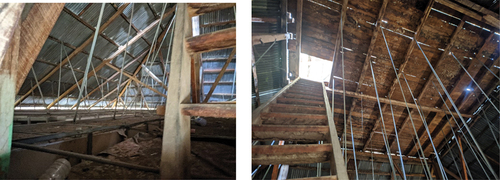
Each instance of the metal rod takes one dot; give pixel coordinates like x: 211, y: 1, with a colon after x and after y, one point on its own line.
x: 484, y: 65
x: 388, y: 150
x: 39, y: 88
x: 89, y: 60
x: 397, y: 140
x: 477, y: 85
x: 457, y: 111
x: 123, y: 61
x: 84, y: 156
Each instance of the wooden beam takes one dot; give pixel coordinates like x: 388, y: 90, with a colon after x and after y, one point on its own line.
x: 396, y: 103
x: 110, y: 58
x: 109, y: 79
x: 336, y: 161
x: 409, y: 51
x: 290, y: 133
x: 109, y: 93
x: 451, y: 173
x: 269, y: 37
x: 219, y: 77
x: 427, y: 83
x: 9, y: 54
x: 34, y: 31
x: 221, y: 39
x: 136, y: 80
x: 488, y: 18
x: 74, y: 53
x: 291, y: 154
x: 196, y: 9
x: 176, y: 145
x: 209, y: 110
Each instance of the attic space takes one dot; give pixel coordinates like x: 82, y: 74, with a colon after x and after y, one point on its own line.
x: 379, y: 89
x: 118, y: 91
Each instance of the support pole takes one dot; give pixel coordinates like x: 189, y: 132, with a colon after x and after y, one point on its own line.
x: 9, y: 53
x: 176, y: 146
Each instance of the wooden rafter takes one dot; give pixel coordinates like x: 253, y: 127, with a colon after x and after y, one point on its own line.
x: 221, y: 39
x: 394, y: 86
x: 110, y: 78
x: 73, y: 54
x: 196, y: 9
x: 110, y: 58
x: 117, y: 69
x: 489, y: 18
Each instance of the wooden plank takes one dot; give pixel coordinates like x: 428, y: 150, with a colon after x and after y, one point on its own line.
x: 263, y: 108
x: 336, y: 162
x: 290, y: 133
x: 291, y: 154
x: 293, y: 118
x: 488, y: 19
x: 196, y: 9
x: 219, y: 77
x: 176, y: 145
x: 269, y: 37
x: 34, y: 31
x: 221, y: 39
x: 300, y: 102
x: 74, y: 53
x: 291, y: 108
x: 9, y: 53
x: 209, y: 110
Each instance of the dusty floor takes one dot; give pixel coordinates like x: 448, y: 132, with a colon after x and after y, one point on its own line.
x: 213, y: 155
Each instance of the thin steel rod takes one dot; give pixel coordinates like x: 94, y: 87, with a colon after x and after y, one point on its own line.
x: 423, y: 119
x: 452, y: 156
x: 261, y: 56
x: 457, y: 111
x: 406, y: 103
x: 60, y: 70
x: 397, y: 140
x: 456, y: 122
x: 123, y: 61
x: 38, y: 85
x: 477, y: 85
x: 354, y: 150
x: 388, y: 150
x: 484, y: 65
x: 89, y: 60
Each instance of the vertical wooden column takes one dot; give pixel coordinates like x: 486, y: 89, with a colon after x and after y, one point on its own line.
x: 195, y: 65
x: 9, y: 53
x: 294, y: 62
x: 176, y: 146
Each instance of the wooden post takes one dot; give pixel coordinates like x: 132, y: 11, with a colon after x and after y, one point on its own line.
x: 9, y: 53
x: 176, y: 146
x: 464, y: 169
x: 294, y: 61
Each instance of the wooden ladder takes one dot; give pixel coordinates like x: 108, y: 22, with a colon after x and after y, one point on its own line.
x: 299, y: 113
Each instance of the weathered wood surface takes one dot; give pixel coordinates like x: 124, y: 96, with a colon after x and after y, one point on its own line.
x: 209, y: 110
x: 267, y: 38
x: 9, y: 53
x: 176, y: 146
x: 35, y: 29
x: 290, y: 133
x: 293, y: 118
x: 221, y: 39
x: 291, y: 154
x: 196, y: 9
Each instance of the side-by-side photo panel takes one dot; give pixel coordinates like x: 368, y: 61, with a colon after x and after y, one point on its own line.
x: 118, y: 91
x: 354, y: 89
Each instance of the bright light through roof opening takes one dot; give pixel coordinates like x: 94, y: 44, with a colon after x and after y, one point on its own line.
x: 314, y: 68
